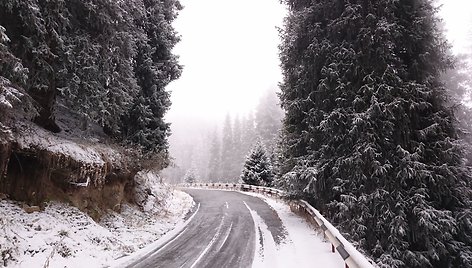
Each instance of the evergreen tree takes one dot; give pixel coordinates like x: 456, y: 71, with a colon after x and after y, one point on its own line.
x: 268, y: 119
x: 238, y: 153
x: 155, y: 68
x: 237, y: 135
x: 190, y: 176
x: 227, y: 151
x: 11, y: 68
x: 458, y: 81
x: 34, y: 29
x: 202, y: 155
x: 257, y: 169
x: 248, y: 134
x: 12, y: 73
x: 214, y: 165
x: 109, y: 61
x: 100, y: 82
x: 367, y: 136
x: 268, y: 123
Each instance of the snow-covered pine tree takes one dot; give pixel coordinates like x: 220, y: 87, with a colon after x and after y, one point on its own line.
x: 12, y: 80
x: 238, y: 155
x: 35, y: 31
x: 214, y: 165
x: 190, y: 176
x: 10, y: 66
x: 227, y: 151
x: 257, y: 169
x: 268, y: 119
x: 155, y: 68
x: 367, y: 136
x: 100, y: 82
x: 458, y: 81
x: 248, y: 136
x: 109, y: 60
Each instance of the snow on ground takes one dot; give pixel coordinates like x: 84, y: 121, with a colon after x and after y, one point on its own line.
x: 161, y: 243
x: 63, y: 236
x: 304, y: 247
x: 31, y: 136
x: 266, y: 248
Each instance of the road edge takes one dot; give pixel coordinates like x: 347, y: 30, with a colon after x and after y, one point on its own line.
x: 157, y: 245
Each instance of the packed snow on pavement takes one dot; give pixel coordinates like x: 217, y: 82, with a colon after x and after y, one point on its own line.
x: 63, y: 236
x: 302, y: 248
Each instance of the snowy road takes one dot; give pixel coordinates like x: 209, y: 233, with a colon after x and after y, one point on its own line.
x: 231, y: 229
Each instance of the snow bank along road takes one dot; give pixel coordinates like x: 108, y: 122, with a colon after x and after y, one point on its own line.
x: 232, y: 229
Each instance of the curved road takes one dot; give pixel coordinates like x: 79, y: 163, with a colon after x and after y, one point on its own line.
x: 221, y: 234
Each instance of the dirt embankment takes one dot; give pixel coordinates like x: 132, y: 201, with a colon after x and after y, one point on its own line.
x: 38, y: 166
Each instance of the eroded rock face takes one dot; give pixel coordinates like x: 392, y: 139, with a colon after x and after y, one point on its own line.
x: 38, y: 167
x: 22, y: 180
x: 5, y: 150
x: 36, y: 176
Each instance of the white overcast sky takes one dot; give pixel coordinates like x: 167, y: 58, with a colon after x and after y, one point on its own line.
x: 230, y: 54
x: 229, y: 50
x: 457, y: 15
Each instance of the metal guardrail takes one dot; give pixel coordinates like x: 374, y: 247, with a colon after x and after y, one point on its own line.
x: 351, y: 256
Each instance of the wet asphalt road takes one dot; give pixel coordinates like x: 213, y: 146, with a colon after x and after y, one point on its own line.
x: 221, y: 234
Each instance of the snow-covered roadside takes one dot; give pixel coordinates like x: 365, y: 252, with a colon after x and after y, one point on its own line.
x: 63, y: 236
x: 304, y: 247
x: 158, y: 244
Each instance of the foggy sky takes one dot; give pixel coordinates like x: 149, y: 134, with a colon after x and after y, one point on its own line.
x: 457, y: 16
x: 229, y: 50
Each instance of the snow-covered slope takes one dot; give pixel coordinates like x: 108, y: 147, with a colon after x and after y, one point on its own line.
x: 63, y: 236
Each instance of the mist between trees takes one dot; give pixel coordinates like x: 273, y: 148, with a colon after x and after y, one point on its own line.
x: 216, y: 153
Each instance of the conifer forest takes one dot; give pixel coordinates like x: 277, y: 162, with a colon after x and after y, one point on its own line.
x: 370, y: 121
